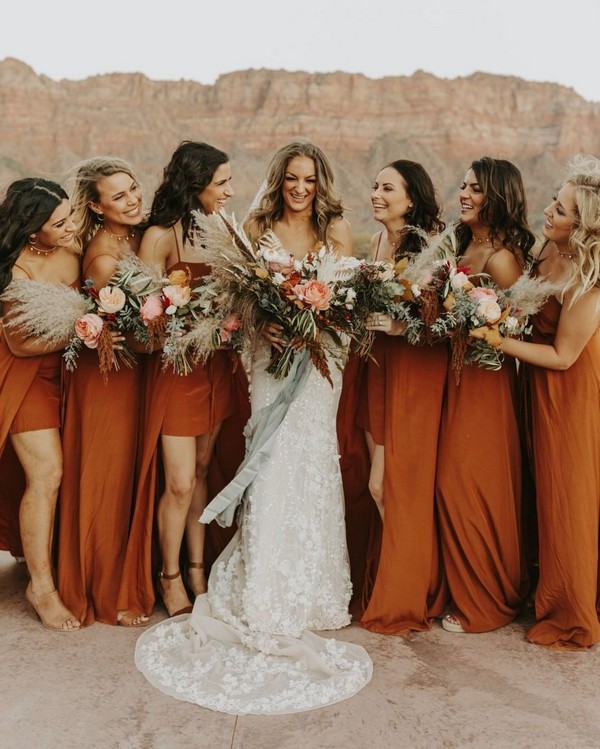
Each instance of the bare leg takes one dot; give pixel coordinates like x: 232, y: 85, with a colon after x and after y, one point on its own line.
x: 40, y: 454
x: 195, y: 532
x: 179, y: 458
x: 376, y: 477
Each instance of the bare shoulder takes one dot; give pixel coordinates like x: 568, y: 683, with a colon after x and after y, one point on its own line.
x: 340, y: 234
x: 157, y: 244
x: 503, y: 267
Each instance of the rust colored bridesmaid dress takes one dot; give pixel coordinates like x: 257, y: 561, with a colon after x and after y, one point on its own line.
x: 363, y: 526
x: 566, y: 449
x: 29, y: 401
x: 185, y: 406
x: 479, y: 497
x: 405, y: 398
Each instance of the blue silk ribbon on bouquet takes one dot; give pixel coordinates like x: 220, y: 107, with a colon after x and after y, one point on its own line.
x: 260, y: 433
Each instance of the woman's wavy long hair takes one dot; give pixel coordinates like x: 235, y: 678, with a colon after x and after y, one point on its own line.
x: 87, y: 175
x: 28, y: 204
x: 425, y: 214
x: 504, y: 208
x: 584, y: 175
x: 327, y: 206
x: 188, y: 173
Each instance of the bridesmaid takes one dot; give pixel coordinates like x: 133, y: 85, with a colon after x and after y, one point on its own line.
x: 407, y: 385
x: 36, y: 244
x: 101, y: 419
x: 185, y: 412
x: 479, y: 458
x: 564, y: 377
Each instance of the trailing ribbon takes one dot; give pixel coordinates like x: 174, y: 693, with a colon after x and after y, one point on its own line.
x: 260, y: 433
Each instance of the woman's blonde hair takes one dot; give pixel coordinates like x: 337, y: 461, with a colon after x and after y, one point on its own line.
x: 584, y: 175
x: 327, y: 207
x: 87, y: 175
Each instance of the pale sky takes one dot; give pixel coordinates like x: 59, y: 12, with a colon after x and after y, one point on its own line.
x: 541, y: 40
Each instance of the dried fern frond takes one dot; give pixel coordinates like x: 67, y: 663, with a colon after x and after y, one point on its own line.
x: 43, y: 309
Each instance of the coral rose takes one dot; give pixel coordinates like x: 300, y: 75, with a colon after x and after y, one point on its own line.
x: 151, y: 309
x: 88, y: 329
x: 111, y: 299
x: 314, y: 292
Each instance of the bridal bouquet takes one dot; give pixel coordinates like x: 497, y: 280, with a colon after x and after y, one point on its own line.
x: 309, y: 298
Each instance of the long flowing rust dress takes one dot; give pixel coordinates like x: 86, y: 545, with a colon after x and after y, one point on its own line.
x: 29, y: 401
x: 363, y: 526
x: 479, y: 497
x: 566, y: 448
x: 100, y: 435
x: 405, y: 396
x: 185, y: 406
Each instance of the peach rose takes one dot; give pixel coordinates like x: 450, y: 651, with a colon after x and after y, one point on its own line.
x: 178, y: 278
x: 151, y: 309
x: 490, y: 310
x: 315, y: 292
x: 176, y: 296
x: 111, y: 299
x: 88, y: 329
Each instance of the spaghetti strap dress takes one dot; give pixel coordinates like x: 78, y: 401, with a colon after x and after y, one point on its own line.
x: 185, y: 406
x: 100, y: 435
x: 565, y: 409
x: 30, y: 397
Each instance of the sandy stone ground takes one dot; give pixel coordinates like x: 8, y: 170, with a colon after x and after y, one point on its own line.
x: 437, y: 689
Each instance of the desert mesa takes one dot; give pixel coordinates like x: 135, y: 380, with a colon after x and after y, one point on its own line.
x: 47, y: 126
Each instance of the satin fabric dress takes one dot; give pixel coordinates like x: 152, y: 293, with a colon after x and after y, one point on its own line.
x: 405, y: 396
x: 100, y: 435
x: 186, y: 406
x: 565, y: 409
x: 479, y: 487
x: 30, y: 388
x: 363, y: 526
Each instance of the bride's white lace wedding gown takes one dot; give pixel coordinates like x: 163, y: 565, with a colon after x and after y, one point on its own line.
x: 246, y: 647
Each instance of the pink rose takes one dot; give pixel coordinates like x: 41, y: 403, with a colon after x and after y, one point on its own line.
x: 481, y: 292
x: 315, y: 292
x: 176, y: 296
x: 232, y: 322
x: 111, y: 299
x: 489, y: 310
x: 88, y: 328
x: 151, y: 309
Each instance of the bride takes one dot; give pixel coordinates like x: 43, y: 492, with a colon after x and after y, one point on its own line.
x: 247, y: 646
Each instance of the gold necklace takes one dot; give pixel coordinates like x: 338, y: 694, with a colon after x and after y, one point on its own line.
x: 119, y: 237
x: 34, y: 249
x: 477, y: 240
x: 570, y: 255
